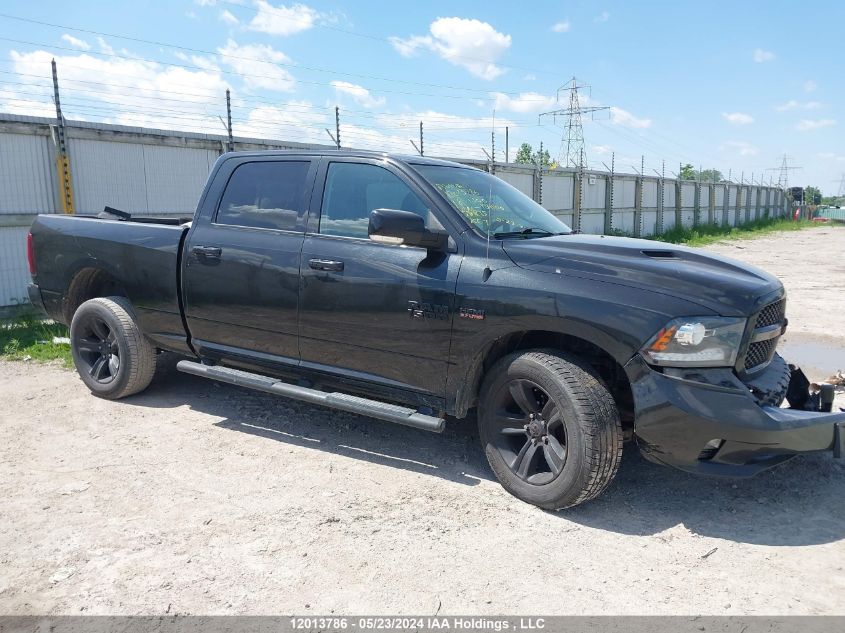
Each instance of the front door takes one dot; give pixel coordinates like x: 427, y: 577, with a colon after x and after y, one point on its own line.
x: 371, y: 310
x: 241, y: 270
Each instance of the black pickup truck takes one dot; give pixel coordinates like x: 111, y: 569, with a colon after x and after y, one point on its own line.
x: 408, y: 289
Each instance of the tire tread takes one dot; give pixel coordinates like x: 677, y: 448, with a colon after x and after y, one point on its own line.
x: 598, y: 419
x: 142, y: 354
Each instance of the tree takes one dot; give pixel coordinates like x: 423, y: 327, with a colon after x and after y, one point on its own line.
x: 543, y: 159
x: 523, y: 154
x: 709, y: 175
x: 687, y: 172
x: 527, y: 156
x: 812, y: 194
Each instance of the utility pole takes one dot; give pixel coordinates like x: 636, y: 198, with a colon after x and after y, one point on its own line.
x: 783, y: 171
x: 337, y: 125
x: 229, y: 119
x: 336, y: 136
x: 572, y: 151
x: 62, y: 158
x: 540, y: 170
x: 507, y: 147
x: 422, y: 147
x: 493, y: 151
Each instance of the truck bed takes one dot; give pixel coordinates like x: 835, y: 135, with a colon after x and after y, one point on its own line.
x: 142, y: 255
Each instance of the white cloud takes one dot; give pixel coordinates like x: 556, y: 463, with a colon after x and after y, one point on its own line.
x: 76, y: 42
x: 601, y: 150
x: 810, y: 86
x: 618, y: 116
x: 144, y: 94
x: 743, y: 148
x: 105, y: 47
x: 807, y: 125
x: 359, y: 94
x: 561, y: 27
x: 761, y: 56
x: 524, y: 102
x: 737, y: 118
x: 206, y: 63
x: 281, y: 19
x: 530, y: 77
x: 470, y: 44
x: 293, y: 120
x: 258, y: 63
x: 792, y: 104
x: 227, y: 17
x: 604, y: 16
x: 205, y: 3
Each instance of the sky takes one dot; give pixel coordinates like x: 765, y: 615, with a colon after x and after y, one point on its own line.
x: 734, y: 87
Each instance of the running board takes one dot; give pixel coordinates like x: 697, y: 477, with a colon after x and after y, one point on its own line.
x: 341, y: 401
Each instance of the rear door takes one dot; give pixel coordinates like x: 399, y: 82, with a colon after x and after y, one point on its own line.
x: 368, y: 310
x: 241, y: 268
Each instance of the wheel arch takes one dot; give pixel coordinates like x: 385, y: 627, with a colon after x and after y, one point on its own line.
x: 597, y: 356
x: 90, y: 281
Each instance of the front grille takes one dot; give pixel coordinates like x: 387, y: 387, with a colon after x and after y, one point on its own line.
x: 760, y: 352
x: 771, y: 314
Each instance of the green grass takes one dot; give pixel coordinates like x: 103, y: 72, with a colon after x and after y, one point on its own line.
x: 30, y: 337
x: 710, y: 233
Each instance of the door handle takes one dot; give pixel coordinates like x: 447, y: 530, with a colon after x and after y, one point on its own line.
x: 325, y: 264
x: 207, y: 251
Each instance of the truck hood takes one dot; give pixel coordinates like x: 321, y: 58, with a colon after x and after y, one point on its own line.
x: 722, y: 285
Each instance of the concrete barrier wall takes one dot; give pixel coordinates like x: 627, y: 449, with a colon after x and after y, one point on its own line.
x: 159, y: 172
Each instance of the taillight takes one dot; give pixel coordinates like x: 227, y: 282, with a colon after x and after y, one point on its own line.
x: 30, y: 254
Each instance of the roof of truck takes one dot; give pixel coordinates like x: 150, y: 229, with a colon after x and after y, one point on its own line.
x: 354, y: 153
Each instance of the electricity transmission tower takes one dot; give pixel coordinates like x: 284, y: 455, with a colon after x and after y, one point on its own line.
x: 572, y: 151
x: 841, y: 192
x: 783, y: 171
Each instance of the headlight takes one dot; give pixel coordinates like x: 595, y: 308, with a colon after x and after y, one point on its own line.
x: 696, y: 342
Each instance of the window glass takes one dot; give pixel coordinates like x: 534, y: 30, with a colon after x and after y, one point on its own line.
x: 491, y: 204
x: 265, y: 195
x: 353, y: 190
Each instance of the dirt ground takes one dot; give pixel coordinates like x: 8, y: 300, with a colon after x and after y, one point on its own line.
x: 206, y: 499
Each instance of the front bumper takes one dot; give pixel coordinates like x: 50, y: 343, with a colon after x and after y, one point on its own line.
x: 680, y: 419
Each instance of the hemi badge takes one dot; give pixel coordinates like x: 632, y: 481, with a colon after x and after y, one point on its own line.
x: 471, y: 313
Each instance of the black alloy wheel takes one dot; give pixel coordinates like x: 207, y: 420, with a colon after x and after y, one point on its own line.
x: 531, y: 432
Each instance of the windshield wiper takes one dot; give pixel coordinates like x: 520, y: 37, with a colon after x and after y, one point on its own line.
x: 530, y: 231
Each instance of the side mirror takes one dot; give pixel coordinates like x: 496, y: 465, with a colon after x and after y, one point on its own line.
x: 391, y: 226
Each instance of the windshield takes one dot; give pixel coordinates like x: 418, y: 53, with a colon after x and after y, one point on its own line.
x: 490, y: 203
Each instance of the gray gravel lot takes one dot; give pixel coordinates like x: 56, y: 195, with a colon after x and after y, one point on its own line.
x: 205, y: 499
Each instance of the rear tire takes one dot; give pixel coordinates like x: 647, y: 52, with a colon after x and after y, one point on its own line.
x: 550, y: 428
x: 111, y: 354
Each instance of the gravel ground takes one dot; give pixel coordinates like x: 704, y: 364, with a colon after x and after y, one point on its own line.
x: 207, y: 499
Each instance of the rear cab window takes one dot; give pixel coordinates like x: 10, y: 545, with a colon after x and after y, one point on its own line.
x: 265, y: 195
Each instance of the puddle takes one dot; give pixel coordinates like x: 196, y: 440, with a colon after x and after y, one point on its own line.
x: 818, y: 360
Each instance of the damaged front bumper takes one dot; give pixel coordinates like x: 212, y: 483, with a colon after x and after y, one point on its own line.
x: 707, y: 421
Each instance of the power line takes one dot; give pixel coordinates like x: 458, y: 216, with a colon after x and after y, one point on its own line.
x: 242, y: 57
x: 574, y: 153
x: 387, y: 39
x: 235, y: 73
x: 783, y: 171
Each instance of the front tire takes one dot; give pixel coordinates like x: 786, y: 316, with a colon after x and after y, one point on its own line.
x: 550, y: 428
x: 111, y: 354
